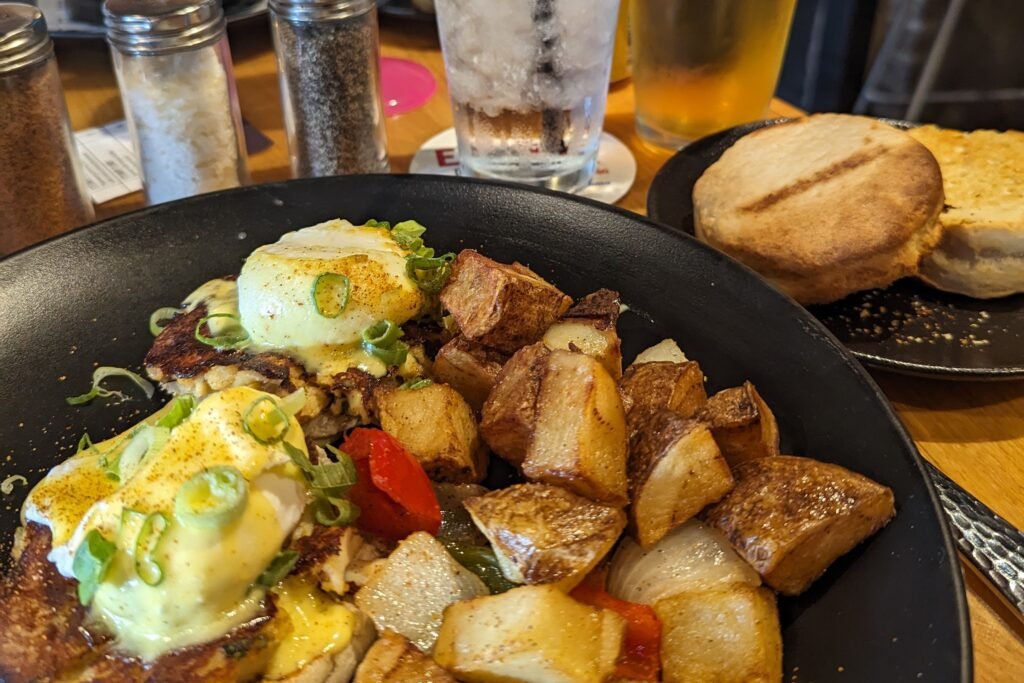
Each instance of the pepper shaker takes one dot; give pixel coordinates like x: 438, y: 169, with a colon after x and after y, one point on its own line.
x: 173, y: 66
x: 328, y: 57
x: 41, y: 188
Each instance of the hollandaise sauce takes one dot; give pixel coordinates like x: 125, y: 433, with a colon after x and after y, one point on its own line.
x: 318, y: 626
x: 177, y: 579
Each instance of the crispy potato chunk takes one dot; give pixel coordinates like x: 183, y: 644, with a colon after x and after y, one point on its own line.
x: 412, y: 588
x: 579, y: 436
x: 589, y: 327
x: 393, y: 659
x: 675, y: 470
x: 530, y: 634
x: 728, y: 635
x: 665, y: 350
x: 438, y: 427
x: 742, y: 423
x: 791, y: 517
x: 469, y: 368
x: 545, y: 534
x: 508, y: 415
x: 649, y: 387
x: 501, y: 306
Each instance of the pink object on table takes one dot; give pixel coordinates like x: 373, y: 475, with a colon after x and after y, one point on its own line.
x: 404, y: 85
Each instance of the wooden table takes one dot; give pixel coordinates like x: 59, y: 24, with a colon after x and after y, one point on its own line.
x: 972, y: 431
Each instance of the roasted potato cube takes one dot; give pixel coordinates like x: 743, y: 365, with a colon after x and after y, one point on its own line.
x: 579, y: 436
x: 508, y: 415
x: 469, y: 368
x: 530, y: 634
x: 791, y: 517
x: 742, y: 424
x: 675, y: 470
x: 730, y: 635
x: 545, y: 534
x: 589, y: 327
x: 409, y: 593
x: 438, y: 427
x: 649, y: 387
x: 501, y: 306
x: 393, y: 659
x: 693, y: 558
x: 665, y: 350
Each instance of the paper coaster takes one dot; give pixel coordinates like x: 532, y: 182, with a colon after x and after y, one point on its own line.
x: 616, y: 166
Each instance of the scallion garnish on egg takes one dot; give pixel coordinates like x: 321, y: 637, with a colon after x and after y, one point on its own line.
x: 293, y: 402
x: 181, y: 408
x: 152, y: 532
x: 91, y: 563
x: 330, y: 294
x: 329, y: 482
x: 103, y: 372
x: 234, y: 338
x: 430, y: 274
x: 84, y: 444
x: 265, y: 421
x: 160, y: 317
x: 382, y: 339
x: 212, y: 498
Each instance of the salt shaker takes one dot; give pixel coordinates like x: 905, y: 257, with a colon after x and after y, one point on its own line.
x: 41, y: 188
x: 173, y: 66
x: 328, y: 59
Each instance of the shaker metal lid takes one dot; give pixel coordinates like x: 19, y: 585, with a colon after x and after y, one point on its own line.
x: 320, y: 10
x: 161, y: 26
x: 23, y: 37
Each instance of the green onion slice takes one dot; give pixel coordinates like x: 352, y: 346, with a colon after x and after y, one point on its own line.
x: 161, y: 315
x: 181, y: 408
x: 417, y: 383
x: 374, y: 223
x: 84, y: 444
x: 382, y: 340
x: 152, y: 532
x: 265, y: 421
x: 330, y: 511
x: 279, y: 567
x: 293, y: 402
x: 330, y: 294
x: 429, y: 274
x: 7, y: 485
x: 232, y: 339
x: 408, y: 235
x: 103, y: 372
x: 212, y: 498
x: 91, y: 563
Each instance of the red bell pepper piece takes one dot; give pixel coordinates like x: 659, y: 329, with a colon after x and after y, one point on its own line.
x: 641, y: 651
x: 394, y: 494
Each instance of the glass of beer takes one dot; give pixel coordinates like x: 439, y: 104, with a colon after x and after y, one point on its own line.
x: 528, y: 82
x: 700, y: 66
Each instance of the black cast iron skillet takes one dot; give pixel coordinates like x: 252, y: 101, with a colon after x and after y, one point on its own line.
x: 892, y: 610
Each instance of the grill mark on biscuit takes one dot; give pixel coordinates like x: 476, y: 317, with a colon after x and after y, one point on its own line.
x: 835, y: 170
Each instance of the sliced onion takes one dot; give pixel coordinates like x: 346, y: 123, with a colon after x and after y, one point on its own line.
x: 693, y: 557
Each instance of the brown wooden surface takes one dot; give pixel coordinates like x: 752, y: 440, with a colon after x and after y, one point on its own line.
x: 973, y: 431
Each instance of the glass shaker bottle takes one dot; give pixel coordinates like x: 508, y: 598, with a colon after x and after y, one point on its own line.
x: 328, y: 58
x: 41, y: 188
x: 173, y: 66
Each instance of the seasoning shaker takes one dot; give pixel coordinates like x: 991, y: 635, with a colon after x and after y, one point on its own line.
x: 328, y: 57
x: 173, y: 66
x: 41, y: 188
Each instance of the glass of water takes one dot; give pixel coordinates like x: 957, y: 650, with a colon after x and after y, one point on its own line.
x: 528, y: 82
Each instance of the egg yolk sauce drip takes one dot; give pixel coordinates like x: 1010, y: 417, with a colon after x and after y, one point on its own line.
x: 184, y: 520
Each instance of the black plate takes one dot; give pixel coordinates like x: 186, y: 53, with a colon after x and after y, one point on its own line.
x: 892, y: 610
x: 907, y: 327
x: 404, y: 9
